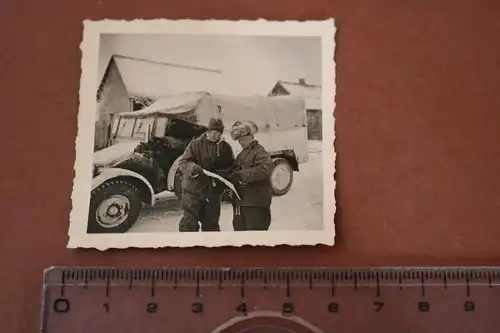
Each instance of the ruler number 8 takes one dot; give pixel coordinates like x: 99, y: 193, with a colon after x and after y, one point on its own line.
x: 287, y: 308
x: 423, y: 306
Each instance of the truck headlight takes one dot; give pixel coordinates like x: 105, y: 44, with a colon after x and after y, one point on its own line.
x: 95, y: 171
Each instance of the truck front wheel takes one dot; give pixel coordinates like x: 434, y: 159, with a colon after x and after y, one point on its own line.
x: 281, y: 176
x: 114, y: 207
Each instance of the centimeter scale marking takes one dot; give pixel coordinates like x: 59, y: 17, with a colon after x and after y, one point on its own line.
x: 458, y: 299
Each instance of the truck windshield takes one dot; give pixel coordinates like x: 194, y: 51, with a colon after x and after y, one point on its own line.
x: 125, y: 127
x: 134, y: 128
x: 142, y: 126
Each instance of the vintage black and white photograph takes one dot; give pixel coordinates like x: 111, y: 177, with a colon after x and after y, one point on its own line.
x: 205, y: 133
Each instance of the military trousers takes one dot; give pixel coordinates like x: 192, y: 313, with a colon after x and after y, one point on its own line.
x: 200, y: 210
x: 254, y: 218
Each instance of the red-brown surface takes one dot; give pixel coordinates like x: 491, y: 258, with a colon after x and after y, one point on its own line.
x: 418, y: 126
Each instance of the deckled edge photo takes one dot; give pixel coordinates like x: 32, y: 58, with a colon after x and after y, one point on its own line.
x: 78, y: 237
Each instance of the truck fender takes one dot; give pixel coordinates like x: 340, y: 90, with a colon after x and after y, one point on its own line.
x: 171, y: 174
x: 106, y: 174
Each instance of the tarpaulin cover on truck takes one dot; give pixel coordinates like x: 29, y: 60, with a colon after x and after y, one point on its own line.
x: 269, y: 113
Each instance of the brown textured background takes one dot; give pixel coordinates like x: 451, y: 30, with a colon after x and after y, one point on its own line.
x: 418, y: 129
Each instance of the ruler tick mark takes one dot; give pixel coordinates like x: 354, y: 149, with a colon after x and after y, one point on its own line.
x: 332, y: 281
x: 467, y: 286
x: 445, y: 281
x: 85, y: 279
x: 422, y: 285
x: 287, y: 285
x: 197, y: 285
x: 63, y: 283
x: 242, y: 286
x: 153, y: 287
x: 107, y: 285
x: 489, y: 280
x: 378, y: 285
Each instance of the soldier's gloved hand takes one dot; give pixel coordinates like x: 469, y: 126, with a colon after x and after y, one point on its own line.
x: 235, y: 177
x: 196, y: 170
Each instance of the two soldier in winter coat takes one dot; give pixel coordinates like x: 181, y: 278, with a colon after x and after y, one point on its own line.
x: 249, y: 172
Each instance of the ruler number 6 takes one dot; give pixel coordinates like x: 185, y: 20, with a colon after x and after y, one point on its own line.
x: 197, y: 307
x: 333, y: 307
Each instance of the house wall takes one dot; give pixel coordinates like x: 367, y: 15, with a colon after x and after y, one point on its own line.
x: 314, y: 116
x: 114, y: 98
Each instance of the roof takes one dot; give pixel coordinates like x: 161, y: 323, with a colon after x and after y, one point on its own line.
x: 148, y: 78
x: 310, y: 92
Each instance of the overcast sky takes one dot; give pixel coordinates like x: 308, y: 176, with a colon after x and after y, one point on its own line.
x: 250, y: 64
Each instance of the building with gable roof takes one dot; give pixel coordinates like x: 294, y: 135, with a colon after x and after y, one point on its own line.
x: 312, y: 96
x: 130, y: 84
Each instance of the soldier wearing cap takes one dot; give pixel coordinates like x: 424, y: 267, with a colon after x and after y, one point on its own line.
x: 251, y: 178
x: 201, y: 195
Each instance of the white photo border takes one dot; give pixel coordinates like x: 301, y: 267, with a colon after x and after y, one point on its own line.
x: 78, y: 237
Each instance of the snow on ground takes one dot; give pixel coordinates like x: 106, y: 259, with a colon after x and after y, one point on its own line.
x: 300, y: 209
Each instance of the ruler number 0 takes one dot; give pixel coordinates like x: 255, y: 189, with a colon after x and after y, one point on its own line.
x: 61, y: 305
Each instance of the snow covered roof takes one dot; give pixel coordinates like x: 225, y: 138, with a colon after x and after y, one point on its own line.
x: 148, y: 78
x: 310, y: 92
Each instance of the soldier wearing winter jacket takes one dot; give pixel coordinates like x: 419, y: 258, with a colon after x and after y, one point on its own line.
x: 201, y: 195
x: 251, y: 178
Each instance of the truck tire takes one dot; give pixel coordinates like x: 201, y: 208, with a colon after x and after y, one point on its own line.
x: 114, y: 207
x: 281, y: 176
